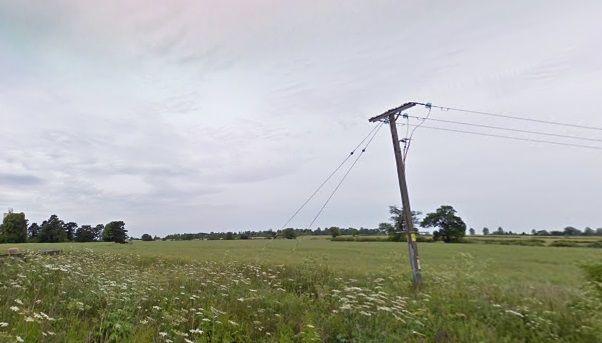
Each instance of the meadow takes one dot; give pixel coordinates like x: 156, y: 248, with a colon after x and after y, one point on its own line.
x: 302, y: 290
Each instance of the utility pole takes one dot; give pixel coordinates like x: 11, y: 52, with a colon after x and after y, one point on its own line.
x: 390, y: 116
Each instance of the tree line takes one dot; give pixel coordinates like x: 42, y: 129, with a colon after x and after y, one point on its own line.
x: 450, y: 228
x: 14, y: 229
x: 567, y: 231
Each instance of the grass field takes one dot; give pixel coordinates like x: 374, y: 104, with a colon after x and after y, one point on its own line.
x: 298, y: 291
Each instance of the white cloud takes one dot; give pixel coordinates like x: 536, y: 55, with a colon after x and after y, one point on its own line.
x: 229, y: 112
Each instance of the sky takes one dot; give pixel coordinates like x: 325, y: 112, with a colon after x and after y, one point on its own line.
x: 198, y: 116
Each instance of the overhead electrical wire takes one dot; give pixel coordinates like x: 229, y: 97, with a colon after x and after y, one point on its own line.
x: 513, y: 138
x: 370, y: 134
x: 409, y: 137
x: 423, y: 119
x: 344, y: 177
x: 516, y: 117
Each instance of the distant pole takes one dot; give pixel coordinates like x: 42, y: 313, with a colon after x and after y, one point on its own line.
x: 391, y: 117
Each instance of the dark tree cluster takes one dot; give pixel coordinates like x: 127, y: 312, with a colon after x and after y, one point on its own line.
x: 288, y: 233
x: 14, y: 229
x: 569, y: 231
x: 450, y: 227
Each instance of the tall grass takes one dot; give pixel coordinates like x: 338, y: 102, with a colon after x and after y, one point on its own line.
x: 109, y: 296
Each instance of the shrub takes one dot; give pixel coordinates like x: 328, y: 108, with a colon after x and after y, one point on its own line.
x: 596, y: 244
x: 563, y: 244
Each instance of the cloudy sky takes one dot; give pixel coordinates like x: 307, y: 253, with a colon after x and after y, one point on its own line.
x: 188, y: 116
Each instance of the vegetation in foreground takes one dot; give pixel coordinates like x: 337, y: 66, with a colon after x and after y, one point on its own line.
x: 109, y: 293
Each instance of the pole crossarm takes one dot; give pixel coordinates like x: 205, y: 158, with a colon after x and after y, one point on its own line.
x: 390, y: 116
x: 396, y: 110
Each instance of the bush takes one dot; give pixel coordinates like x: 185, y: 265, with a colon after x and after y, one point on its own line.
x: 596, y: 244
x: 360, y: 239
x: 563, y: 244
x: 289, y: 233
x: 147, y: 238
x: 524, y: 242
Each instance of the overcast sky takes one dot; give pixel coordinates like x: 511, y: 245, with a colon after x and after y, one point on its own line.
x: 193, y: 116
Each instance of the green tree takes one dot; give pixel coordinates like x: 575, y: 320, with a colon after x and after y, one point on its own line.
x: 52, y: 230
x: 571, y: 231
x: 289, y: 233
x: 85, y: 233
x: 147, y: 238
x: 472, y: 232
x: 98, y: 230
x: 396, y: 232
x: 588, y: 231
x: 115, y: 232
x: 14, y: 228
x: 70, y: 229
x: 485, y: 231
x: 334, y: 231
x: 354, y: 231
x: 32, y: 232
x: 451, y: 227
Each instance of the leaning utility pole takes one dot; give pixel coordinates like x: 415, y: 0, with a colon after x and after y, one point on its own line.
x: 391, y: 117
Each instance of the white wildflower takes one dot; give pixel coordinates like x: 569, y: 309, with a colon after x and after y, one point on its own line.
x: 515, y: 313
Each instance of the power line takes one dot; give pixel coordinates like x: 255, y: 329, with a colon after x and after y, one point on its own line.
x: 330, y: 176
x: 344, y: 177
x: 501, y: 128
x: 500, y: 115
x: 513, y: 138
x: 409, y: 138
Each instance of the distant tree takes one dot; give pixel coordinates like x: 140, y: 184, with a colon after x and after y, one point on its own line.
x: 156, y: 238
x: 571, y: 231
x: 85, y: 233
x: 556, y: 233
x: 98, y: 230
x: 472, y: 232
x: 533, y: 232
x: 32, y: 232
x: 588, y: 231
x: 289, y: 233
x: 229, y: 236
x: 52, y: 230
x: 70, y: 229
x: 451, y: 227
x: 386, y: 228
x: 334, y: 231
x: 398, y: 221
x: 599, y: 231
x: 14, y: 228
x: 542, y: 233
x: 499, y: 231
x: 354, y: 231
x: 115, y: 232
x: 485, y: 231
x: 245, y: 235
x: 147, y: 238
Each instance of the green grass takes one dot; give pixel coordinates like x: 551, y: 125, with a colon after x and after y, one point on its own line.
x: 298, y: 291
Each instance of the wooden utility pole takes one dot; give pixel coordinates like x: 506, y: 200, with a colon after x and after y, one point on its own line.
x: 391, y: 117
